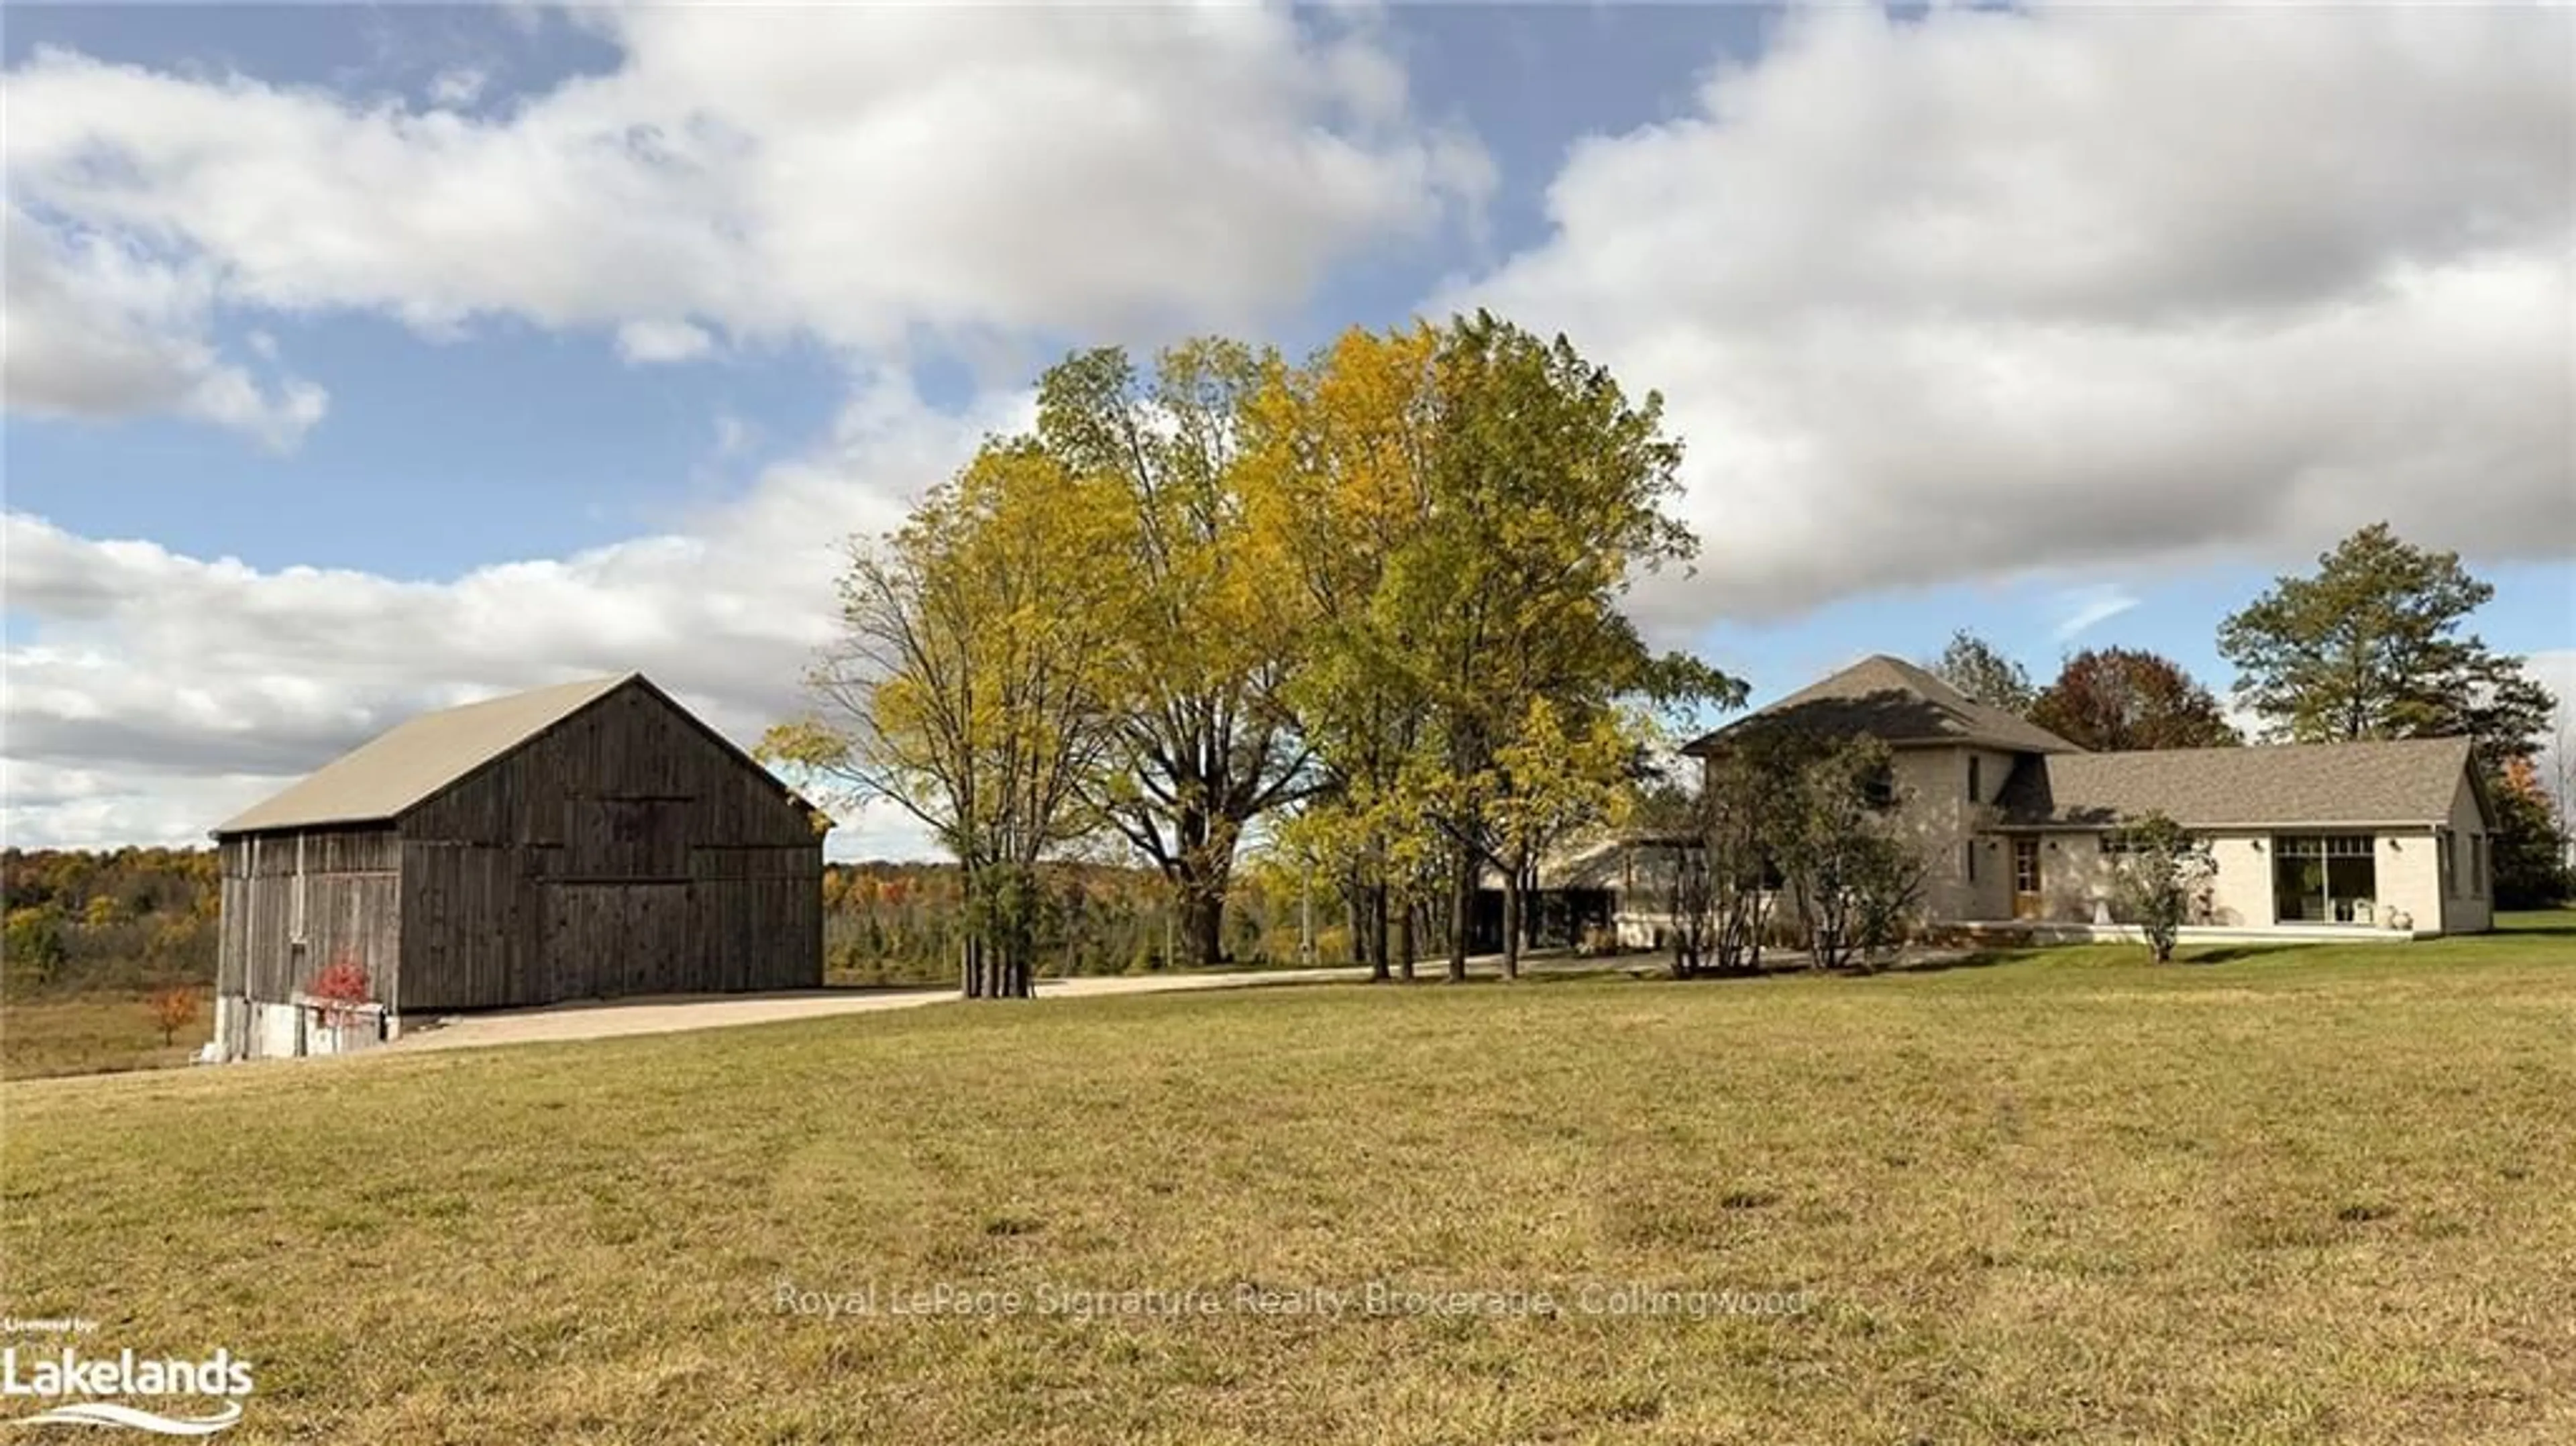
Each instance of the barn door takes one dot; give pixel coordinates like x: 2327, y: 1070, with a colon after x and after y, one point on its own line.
x: 607, y: 940
x: 577, y: 951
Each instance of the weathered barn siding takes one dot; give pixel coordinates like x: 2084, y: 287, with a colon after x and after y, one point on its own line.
x: 624, y: 851
x: 296, y: 903
x: 273, y: 944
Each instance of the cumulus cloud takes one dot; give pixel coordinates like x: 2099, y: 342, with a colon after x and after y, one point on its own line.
x: 98, y: 329
x: 644, y: 342
x: 860, y: 175
x: 148, y: 665
x: 1986, y: 292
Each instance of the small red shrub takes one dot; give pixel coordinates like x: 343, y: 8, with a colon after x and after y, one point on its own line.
x: 173, y: 1009
x: 341, y: 987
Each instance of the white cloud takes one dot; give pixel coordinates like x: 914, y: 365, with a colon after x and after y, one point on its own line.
x: 96, y: 328
x: 864, y: 178
x: 1987, y: 292
x: 161, y: 692
x: 458, y: 87
x: 860, y: 175
x: 645, y: 342
x: 2087, y: 606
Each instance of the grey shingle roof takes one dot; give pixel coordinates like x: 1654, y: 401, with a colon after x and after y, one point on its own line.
x: 2411, y: 782
x: 381, y: 778
x: 1891, y: 699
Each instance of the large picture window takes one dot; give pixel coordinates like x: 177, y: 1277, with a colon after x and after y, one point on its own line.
x: 2324, y: 878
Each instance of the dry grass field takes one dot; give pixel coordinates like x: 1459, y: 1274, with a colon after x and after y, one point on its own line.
x: 2296, y: 1195
x: 96, y: 1033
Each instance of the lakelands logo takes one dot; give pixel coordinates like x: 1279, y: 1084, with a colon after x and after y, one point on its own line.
x: 51, y: 1375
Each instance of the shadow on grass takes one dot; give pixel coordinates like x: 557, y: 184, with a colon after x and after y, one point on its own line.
x: 2230, y: 953
x: 2535, y: 921
x: 1974, y: 959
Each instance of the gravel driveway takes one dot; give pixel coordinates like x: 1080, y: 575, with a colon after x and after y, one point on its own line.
x: 607, y: 1019
x: 610, y: 1018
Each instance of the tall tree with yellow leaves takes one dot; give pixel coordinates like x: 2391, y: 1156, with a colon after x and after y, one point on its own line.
x: 1340, y: 488
x: 1208, y: 628
x: 965, y: 684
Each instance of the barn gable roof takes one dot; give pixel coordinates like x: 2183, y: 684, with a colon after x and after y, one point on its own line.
x: 389, y: 773
x: 386, y: 776
x: 1896, y: 702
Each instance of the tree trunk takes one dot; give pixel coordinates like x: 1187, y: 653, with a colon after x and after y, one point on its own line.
x: 1462, y: 910
x: 1355, y: 907
x: 1512, y: 904
x: 1404, y: 941
x: 1377, y: 932
x: 1203, y: 923
x: 1533, y: 917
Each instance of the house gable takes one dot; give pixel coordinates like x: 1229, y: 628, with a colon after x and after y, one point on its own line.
x: 1894, y: 701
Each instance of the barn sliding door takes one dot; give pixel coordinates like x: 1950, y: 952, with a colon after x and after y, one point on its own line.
x: 617, y: 918
x: 607, y: 940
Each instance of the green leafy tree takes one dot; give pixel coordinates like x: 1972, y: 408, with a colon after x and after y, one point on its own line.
x: 1857, y: 880
x: 2118, y: 699
x: 2529, y: 848
x: 2371, y: 646
x: 1463, y: 510
x: 34, y: 946
x: 1558, y: 776
x: 1979, y: 669
x: 2161, y: 879
x: 1548, y: 497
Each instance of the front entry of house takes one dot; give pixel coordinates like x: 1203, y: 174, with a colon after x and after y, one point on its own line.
x: 2025, y: 877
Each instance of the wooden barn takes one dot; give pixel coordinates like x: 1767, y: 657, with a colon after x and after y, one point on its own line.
x: 584, y: 841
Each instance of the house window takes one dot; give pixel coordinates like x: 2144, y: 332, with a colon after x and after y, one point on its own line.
x: 2324, y: 878
x: 1969, y: 850
x: 1976, y: 777
x: 2443, y: 844
x: 2478, y: 881
x: 1879, y: 789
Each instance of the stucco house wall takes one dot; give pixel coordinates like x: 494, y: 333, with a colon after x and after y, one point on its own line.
x: 2240, y: 894
x: 2074, y: 873
x: 1931, y: 806
x: 2405, y: 867
x: 2470, y: 902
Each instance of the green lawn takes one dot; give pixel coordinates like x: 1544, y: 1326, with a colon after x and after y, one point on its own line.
x: 2323, y: 1194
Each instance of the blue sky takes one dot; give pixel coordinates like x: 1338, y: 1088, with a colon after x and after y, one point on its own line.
x: 363, y: 360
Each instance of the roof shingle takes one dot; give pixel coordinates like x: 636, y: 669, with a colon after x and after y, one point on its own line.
x: 1897, y: 702
x: 2410, y: 782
